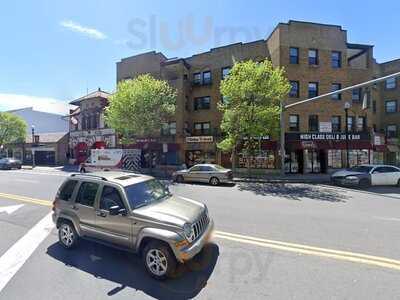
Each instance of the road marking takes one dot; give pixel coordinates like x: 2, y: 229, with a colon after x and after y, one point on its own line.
x: 310, y: 250
x: 387, y: 219
x: 10, y: 209
x: 39, y: 173
x: 26, y: 199
x: 18, y: 254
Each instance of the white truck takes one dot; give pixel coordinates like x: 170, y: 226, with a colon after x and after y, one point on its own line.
x: 111, y: 159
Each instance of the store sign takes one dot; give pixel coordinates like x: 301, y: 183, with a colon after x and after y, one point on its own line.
x: 377, y: 140
x: 308, y: 145
x: 262, y: 138
x: 325, y: 126
x: 322, y: 136
x: 199, y: 139
x: 146, y: 140
x: 164, y: 147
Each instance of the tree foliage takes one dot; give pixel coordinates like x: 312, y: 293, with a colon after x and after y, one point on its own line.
x: 253, y: 91
x: 139, y: 106
x: 12, y: 129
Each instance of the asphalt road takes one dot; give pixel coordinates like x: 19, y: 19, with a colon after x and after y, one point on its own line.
x: 272, y: 241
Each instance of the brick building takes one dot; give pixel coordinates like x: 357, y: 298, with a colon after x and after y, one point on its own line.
x: 318, y: 59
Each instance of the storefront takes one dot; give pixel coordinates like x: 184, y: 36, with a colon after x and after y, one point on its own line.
x: 320, y: 152
x: 262, y: 157
x: 200, y: 149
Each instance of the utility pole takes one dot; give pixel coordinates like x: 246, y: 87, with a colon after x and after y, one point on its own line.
x: 32, y: 146
x: 346, y: 111
x: 285, y: 107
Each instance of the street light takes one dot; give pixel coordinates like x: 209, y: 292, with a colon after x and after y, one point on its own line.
x: 347, y: 106
x: 33, y: 151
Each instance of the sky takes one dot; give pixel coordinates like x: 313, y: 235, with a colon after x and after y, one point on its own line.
x: 52, y: 52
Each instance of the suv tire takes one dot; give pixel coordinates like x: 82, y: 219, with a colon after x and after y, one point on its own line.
x: 214, y: 181
x: 67, y: 235
x: 159, y: 260
x: 364, y: 183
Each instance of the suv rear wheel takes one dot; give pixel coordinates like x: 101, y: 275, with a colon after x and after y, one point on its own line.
x: 67, y: 235
x: 159, y: 260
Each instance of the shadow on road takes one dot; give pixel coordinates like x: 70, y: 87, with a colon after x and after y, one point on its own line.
x: 127, y: 270
x: 295, y: 191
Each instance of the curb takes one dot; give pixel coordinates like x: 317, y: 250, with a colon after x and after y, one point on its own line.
x: 245, y: 180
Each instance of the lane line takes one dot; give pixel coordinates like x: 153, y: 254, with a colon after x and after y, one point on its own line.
x: 26, y: 199
x: 285, y: 246
x: 387, y: 219
x: 18, y: 254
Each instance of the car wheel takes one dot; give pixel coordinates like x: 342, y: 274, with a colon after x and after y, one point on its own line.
x: 159, y: 260
x: 364, y: 183
x: 214, y: 181
x: 67, y: 235
x: 180, y: 179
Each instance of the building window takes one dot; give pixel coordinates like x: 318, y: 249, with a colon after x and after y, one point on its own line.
x: 312, y: 89
x: 197, y: 78
x: 168, y: 128
x: 336, y: 123
x: 336, y: 57
x: 294, y: 122
x: 225, y: 72
x: 350, y: 124
x: 313, y: 57
x: 294, y: 91
x: 202, y: 103
x: 356, y: 95
x: 391, y: 131
x: 207, y: 77
x: 294, y: 55
x: 391, y: 106
x: 336, y: 87
x: 361, y: 124
x: 390, y: 83
x: 202, y: 128
x: 313, y: 123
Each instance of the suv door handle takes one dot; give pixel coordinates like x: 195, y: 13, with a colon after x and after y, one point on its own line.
x: 101, y: 214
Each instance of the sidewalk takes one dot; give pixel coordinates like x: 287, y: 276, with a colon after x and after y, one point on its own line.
x: 66, y: 168
x: 287, y: 178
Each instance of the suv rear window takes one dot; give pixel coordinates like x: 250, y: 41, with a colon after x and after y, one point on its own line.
x: 67, y: 190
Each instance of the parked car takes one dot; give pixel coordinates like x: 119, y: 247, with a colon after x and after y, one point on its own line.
x: 8, y: 163
x: 208, y: 173
x: 132, y: 212
x: 366, y: 175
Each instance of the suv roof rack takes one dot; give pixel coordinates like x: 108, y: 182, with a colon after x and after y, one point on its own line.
x: 89, y: 175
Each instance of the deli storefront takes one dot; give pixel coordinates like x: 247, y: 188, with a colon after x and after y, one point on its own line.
x: 320, y: 152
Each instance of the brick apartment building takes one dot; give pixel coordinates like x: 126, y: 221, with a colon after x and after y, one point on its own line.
x: 318, y: 59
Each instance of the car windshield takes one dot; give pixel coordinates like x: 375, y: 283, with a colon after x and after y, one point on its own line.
x: 146, y: 192
x: 361, y: 169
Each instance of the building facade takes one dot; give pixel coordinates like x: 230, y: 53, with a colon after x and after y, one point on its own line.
x: 318, y: 58
x: 87, y: 127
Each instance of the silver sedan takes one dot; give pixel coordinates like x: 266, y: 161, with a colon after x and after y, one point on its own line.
x: 207, y: 173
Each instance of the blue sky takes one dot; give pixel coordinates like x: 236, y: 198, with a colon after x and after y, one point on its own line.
x: 53, y: 51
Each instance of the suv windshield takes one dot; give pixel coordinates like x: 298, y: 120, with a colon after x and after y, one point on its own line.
x: 146, y: 192
x: 361, y: 169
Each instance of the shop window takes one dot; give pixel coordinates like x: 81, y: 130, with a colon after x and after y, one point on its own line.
x: 312, y: 89
x: 391, y: 106
x: 336, y: 123
x: 294, y: 122
x: 336, y: 59
x: 335, y: 159
x: 202, y: 103
x: 391, y: 131
x: 336, y: 87
x: 358, y: 157
x: 313, y: 123
x: 313, y: 57
x: 294, y: 55
x: 262, y: 159
x: 294, y: 90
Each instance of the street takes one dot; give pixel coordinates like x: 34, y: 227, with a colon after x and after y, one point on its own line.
x: 271, y: 241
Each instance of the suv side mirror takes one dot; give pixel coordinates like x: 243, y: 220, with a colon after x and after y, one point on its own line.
x: 114, y: 210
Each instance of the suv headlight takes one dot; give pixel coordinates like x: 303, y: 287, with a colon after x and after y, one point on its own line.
x: 188, y: 231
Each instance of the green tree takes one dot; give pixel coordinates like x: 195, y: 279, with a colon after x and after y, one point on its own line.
x: 12, y: 129
x: 254, y: 91
x: 140, y: 106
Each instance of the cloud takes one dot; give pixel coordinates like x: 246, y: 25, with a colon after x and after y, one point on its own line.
x: 90, y: 32
x: 45, y: 104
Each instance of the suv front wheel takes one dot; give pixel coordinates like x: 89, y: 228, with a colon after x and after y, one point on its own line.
x: 159, y: 260
x: 67, y: 235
